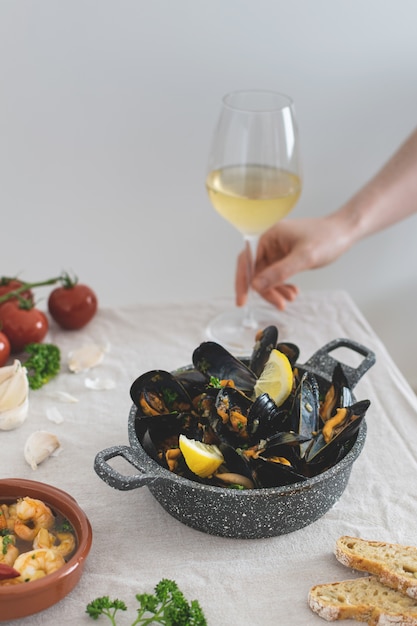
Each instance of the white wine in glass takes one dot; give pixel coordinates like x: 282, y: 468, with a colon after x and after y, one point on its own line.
x: 253, y: 180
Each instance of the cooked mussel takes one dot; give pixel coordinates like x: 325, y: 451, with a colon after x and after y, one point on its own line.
x: 213, y: 360
x: 193, y: 381
x: 263, y: 445
x: 158, y: 392
x: 305, y: 410
x: 278, y: 465
x: 291, y: 351
x: 338, y: 395
x: 339, y: 429
x: 265, y: 342
x: 230, y: 418
x: 266, y: 418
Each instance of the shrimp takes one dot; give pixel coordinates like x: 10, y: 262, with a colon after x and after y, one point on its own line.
x: 64, y: 543
x: 31, y: 515
x: 7, y: 516
x: 38, y: 563
x: 8, y: 550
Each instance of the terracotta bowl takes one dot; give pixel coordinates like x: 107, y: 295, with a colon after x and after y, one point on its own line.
x: 25, y: 599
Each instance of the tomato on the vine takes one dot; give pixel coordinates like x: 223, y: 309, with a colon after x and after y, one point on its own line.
x: 22, y: 325
x: 11, y: 284
x: 73, y: 305
x: 4, y: 349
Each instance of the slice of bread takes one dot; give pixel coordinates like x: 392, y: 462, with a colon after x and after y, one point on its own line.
x: 395, y: 565
x: 365, y: 600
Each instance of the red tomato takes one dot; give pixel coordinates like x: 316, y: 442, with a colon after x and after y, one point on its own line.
x: 10, y: 284
x: 22, y: 326
x: 4, y: 349
x: 72, y: 307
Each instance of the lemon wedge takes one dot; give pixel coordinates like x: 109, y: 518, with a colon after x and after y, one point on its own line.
x: 202, y: 458
x: 276, y: 378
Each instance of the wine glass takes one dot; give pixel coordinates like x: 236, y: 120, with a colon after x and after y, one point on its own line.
x: 253, y: 180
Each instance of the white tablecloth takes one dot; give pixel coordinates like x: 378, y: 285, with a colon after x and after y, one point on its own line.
x: 136, y: 543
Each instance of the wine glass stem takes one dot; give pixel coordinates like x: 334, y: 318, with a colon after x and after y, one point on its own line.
x: 251, y: 243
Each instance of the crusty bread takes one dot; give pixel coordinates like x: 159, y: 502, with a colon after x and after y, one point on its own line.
x: 395, y: 565
x: 365, y: 600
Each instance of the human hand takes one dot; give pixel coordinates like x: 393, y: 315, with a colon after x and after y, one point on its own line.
x: 289, y: 247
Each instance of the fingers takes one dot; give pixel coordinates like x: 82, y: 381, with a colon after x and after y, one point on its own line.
x: 277, y: 294
x: 280, y: 296
x: 276, y: 274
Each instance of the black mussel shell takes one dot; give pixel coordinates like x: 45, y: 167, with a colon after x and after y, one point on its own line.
x: 265, y: 342
x: 327, y: 452
x: 291, y: 351
x: 193, y: 381
x: 213, y: 360
x: 305, y: 410
x: 158, y: 392
x: 265, y: 418
x: 268, y: 472
x: 229, y: 420
x: 337, y: 395
x: 234, y: 461
x: 158, y: 433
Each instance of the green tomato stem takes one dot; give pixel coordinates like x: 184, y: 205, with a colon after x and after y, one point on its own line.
x: 26, y: 286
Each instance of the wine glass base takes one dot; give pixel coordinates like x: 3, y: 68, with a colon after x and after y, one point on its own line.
x: 231, y: 329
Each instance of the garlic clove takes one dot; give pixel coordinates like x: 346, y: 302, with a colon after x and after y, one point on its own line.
x: 14, y: 395
x: 8, y: 370
x: 14, y: 417
x: 85, y: 358
x: 14, y: 386
x: 39, y: 446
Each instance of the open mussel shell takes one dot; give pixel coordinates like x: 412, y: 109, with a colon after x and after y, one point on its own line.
x: 235, y: 471
x: 324, y: 450
x: 291, y: 351
x: 158, y: 392
x: 278, y: 466
x: 265, y: 341
x: 229, y: 419
x: 337, y: 395
x: 213, y: 360
x: 305, y: 410
x: 192, y: 380
x: 160, y: 433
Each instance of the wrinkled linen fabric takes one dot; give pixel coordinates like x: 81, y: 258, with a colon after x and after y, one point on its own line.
x: 136, y: 543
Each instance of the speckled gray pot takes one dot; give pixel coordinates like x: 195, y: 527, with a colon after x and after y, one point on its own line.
x: 249, y: 514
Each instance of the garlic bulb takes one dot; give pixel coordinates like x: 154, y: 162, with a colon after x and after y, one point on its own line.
x: 39, y: 446
x: 14, y: 395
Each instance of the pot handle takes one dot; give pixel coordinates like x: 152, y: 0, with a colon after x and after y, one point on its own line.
x: 114, y: 478
x: 323, y: 364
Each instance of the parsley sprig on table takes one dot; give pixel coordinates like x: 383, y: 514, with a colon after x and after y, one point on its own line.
x: 42, y: 364
x: 167, y: 605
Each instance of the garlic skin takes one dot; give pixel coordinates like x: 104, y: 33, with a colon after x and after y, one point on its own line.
x: 39, y: 446
x: 85, y: 358
x: 14, y: 395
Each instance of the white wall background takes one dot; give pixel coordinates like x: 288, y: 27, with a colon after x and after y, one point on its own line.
x: 106, y: 114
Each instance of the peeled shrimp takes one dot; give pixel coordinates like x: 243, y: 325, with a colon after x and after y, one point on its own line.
x: 8, y: 550
x: 7, y: 516
x: 37, y: 564
x: 31, y: 516
x: 64, y: 543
